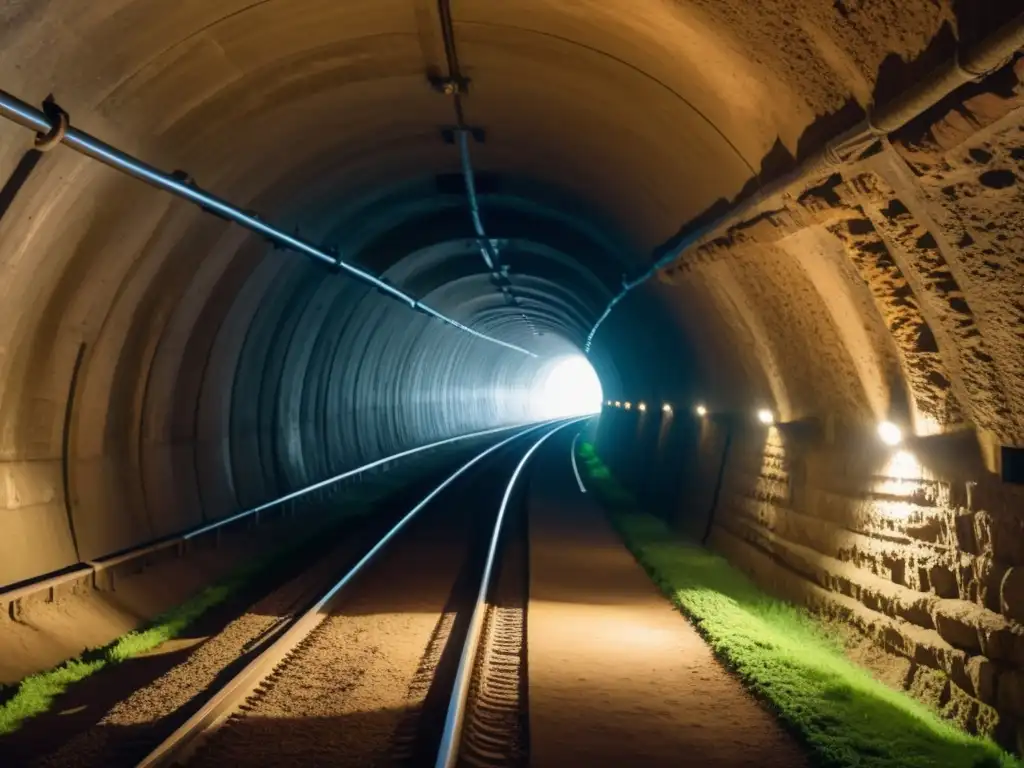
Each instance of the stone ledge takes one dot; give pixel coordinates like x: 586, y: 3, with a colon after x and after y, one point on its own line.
x: 975, y: 678
x: 961, y: 624
x: 47, y: 589
x: 917, y: 565
x: 838, y: 537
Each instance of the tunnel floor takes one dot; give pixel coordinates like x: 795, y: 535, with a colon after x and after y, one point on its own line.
x: 617, y: 676
x: 583, y: 662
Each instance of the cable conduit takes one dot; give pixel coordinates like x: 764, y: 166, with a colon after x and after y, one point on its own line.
x: 487, y: 249
x: 182, y: 186
x: 971, y: 64
x: 456, y: 85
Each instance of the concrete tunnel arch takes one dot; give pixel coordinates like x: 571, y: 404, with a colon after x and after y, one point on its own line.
x: 160, y: 367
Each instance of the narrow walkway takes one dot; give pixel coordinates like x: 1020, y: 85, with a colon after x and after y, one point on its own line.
x: 617, y: 676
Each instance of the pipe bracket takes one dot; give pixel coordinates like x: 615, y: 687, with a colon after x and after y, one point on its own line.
x: 449, y: 86
x: 60, y: 122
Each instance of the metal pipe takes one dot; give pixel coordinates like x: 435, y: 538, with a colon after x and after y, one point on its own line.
x: 35, y: 120
x: 202, y: 530
x: 973, y: 63
x: 455, y: 87
x: 487, y: 249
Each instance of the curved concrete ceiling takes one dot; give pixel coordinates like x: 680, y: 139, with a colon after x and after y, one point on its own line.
x: 159, y: 367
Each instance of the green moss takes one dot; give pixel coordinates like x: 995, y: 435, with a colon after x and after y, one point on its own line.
x: 35, y: 694
x: 783, y: 655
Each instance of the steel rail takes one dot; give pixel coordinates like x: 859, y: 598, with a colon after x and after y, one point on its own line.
x: 97, y: 565
x: 575, y: 468
x: 343, y: 476
x: 451, y: 736
x: 233, y: 694
x: 181, y: 186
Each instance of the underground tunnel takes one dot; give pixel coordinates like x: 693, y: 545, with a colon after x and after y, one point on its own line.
x: 508, y: 303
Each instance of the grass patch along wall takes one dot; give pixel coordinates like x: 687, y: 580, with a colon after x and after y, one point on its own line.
x: 37, y: 694
x: 784, y: 656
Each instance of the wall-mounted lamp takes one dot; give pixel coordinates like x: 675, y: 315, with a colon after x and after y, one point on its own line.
x: 618, y: 403
x: 666, y: 408
x: 642, y: 407
x: 889, y: 433
x: 765, y: 416
x: 628, y: 405
x: 701, y: 410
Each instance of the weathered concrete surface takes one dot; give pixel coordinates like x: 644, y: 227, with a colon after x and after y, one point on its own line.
x: 892, y: 289
x: 158, y: 367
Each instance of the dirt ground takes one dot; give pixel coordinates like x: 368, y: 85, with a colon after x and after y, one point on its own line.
x: 617, y: 676
x: 353, y: 693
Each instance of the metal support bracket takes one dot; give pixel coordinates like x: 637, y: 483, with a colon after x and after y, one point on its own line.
x: 449, y: 85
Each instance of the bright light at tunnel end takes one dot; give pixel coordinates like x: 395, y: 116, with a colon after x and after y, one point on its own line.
x: 567, y: 386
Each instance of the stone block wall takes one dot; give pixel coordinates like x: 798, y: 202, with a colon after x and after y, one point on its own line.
x: 891, y: 287
x: 905, y: 545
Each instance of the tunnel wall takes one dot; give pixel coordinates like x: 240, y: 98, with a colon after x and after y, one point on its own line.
x: 921, y: 548
x: 207, y: 392
x: 890, y: 289
x: 656, y: 454
x: 893, y: 289
x: 921, y: 551
x: 127, y: 315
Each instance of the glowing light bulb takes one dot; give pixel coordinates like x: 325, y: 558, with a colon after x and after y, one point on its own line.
x: 666, y: 408
x: 628, y: 405
x: 889, y: 433
x: 642, y: 407
x: 618, y: 403
x: 765, y: 416
x: 701, y: 410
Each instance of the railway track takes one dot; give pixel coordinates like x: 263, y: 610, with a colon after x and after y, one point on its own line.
x: 416, y: 656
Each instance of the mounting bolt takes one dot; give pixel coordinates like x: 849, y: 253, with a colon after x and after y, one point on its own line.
x: 449, y: 86
x: 183, y: 176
